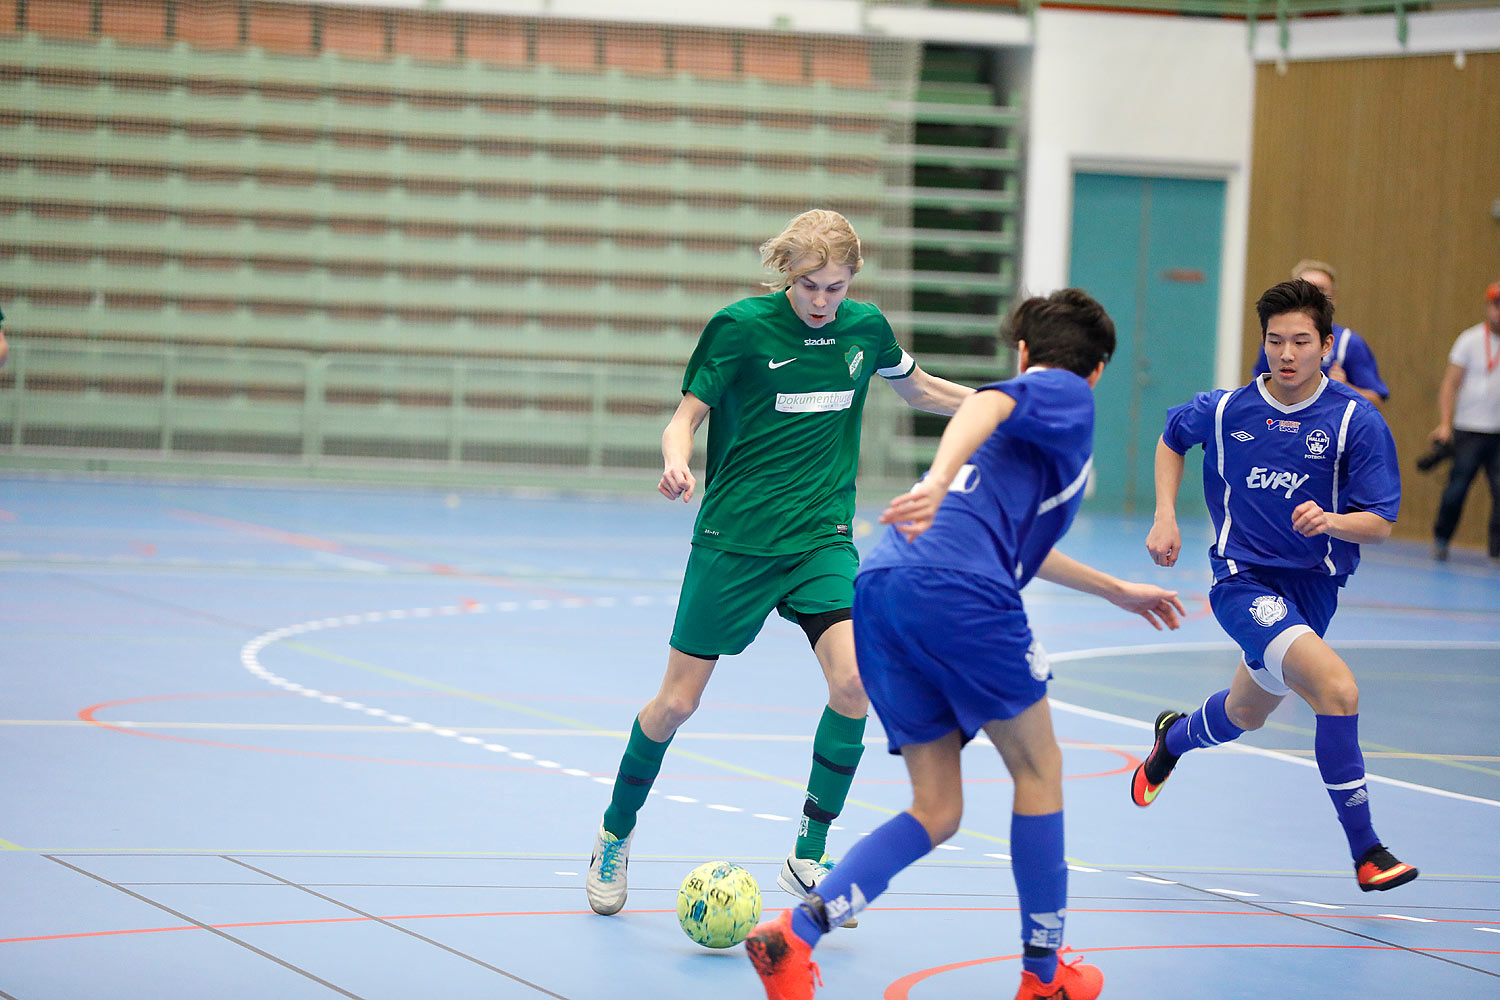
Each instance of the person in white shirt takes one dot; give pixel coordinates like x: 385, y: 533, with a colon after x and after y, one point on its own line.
x: 1469, y: 420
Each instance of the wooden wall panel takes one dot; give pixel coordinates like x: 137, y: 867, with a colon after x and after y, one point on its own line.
x: 1385, y: 168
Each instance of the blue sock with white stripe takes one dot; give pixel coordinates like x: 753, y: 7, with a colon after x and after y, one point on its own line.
x: 1336, y: 744
x: 1207, y: 727
x: 864, y: 873
x: 1036, y: 860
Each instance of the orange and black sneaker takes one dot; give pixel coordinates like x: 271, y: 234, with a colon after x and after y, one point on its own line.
x: 783, y: 960
x: 1379, y: 870
x: 1154, y: 770
x: 1073, y: 980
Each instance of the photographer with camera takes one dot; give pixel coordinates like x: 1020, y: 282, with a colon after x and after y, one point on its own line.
x: 1469, y: 422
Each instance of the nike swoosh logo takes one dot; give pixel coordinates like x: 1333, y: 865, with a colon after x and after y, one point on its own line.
x: 806, y: 886
x: 773, y: 365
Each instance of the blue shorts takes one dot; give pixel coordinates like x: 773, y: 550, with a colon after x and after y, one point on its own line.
x: 941, y: 650
x: 1264, y: 610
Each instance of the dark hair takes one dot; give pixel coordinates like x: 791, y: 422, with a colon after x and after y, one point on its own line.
x: 1066, y: 329
x: 1296, y: 296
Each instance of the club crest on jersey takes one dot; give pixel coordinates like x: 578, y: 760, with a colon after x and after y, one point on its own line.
x: 1284, y: 426
x: 1317, y: 442
x: 854, y: 358
x: 1267, y: 609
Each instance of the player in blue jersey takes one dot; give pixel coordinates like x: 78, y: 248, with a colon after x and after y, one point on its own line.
x: 944, y: 648
x: 1299, y: 471
x: 1350, y: 361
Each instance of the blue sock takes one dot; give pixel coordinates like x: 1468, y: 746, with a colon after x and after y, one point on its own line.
x: 864, y: 873
x: 1336, y: 744
x: 1207, y: 727
x: 1036, y: 860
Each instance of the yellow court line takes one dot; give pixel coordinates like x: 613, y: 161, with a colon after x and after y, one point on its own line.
x: 6, y: 845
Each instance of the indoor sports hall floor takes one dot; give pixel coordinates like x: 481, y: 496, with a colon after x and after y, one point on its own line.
x: 289, y: 743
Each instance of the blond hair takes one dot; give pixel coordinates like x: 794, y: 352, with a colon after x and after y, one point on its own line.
x: 810, y: 242
x: 1308, y: 264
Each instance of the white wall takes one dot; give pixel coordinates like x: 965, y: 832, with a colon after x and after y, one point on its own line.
x: 1147, y: 95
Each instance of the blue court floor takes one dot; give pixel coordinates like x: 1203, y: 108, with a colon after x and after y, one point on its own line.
x: 305, y: 743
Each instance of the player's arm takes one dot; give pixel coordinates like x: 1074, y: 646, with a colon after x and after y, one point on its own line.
x: 923, y: 391
x: 1361, y: 527
x: 1159, y: 607
x: 1164, y: 541
x: 976, y: 419
x: 1447, y: 398
x: 677, y: 449
x: 1370, y: 394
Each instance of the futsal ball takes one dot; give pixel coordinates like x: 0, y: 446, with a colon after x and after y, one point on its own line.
x: 718, y: 904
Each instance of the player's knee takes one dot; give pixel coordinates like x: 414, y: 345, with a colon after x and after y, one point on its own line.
x: 1246, y: 717
x: 940, y: 821
x: 1340, y: 697
x: 846, y: 695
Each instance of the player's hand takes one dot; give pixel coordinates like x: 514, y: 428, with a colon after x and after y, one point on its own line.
x: 1337, y: 373
x: 1309, y: 519
x: 1164, y: 542
x: 1441, y: 433
x: 677, y: 481
x: 912, y: 512
x: 1159, y: 607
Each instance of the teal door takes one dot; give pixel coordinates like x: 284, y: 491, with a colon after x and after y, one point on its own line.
x: 1148, y: 249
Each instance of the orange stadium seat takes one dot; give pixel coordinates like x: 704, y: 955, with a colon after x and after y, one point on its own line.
x: 495, y: 40
x: 639, y: 50
x: 60, y: 18
x: 426, y: 35
x: 845, y: 62
x: 7, y: 17
x: 279, y: 27
x: 775, y: 58
x: 704, y: 53
x: 209, y: 24
x: 354, y: 32
x: 134, y: 20
x: 567, y: 46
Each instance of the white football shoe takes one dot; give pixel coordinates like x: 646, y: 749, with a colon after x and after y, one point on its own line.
x: 800, y: 876
x: 606, y: 882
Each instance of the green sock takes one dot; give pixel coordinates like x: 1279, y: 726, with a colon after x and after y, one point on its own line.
x: 638, y: 770
x: 837, y: 747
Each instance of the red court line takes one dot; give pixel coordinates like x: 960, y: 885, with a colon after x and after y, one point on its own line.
x: 373, y: 555
x: 909, y: 980
x: 6, y: 515
x: 901, y: 988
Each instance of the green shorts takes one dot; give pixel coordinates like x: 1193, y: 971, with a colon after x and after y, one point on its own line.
x: 726, y: 596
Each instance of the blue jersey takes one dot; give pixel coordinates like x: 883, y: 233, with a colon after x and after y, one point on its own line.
x: 1261, y: 459
x: 1017, y: 496
x: 1350, y: 351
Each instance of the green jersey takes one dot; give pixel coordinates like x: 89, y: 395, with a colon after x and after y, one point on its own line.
x: 783, y: 437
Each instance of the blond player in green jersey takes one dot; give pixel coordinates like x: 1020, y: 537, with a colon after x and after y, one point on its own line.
x: 785, y: 376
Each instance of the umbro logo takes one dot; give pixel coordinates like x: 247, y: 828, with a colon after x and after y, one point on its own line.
x: 1243, y: 436
x: 773, y: 365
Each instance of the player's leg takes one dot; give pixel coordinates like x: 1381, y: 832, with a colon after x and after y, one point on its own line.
x: 1492, y: 473
x: 1029, y: 748
x: 1322, y: 678
x: 1466, y: 461
x: 1263, y: 623
x: 650, y: 734
x: 724, y: 601
x: 819, y: 597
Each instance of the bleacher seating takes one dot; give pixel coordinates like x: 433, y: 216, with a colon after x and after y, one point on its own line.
x: 389, y: 198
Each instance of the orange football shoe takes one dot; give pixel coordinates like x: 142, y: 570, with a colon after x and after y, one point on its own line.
x: 1379, y: 870
x: 783, y: 960
x: 1075, y: 980
x: 1157, y: 767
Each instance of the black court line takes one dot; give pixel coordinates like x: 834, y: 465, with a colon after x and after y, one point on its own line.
x: 202, y: 926
x: 6, y: 996
x: 397, y: 927
x: 1332, y: 927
